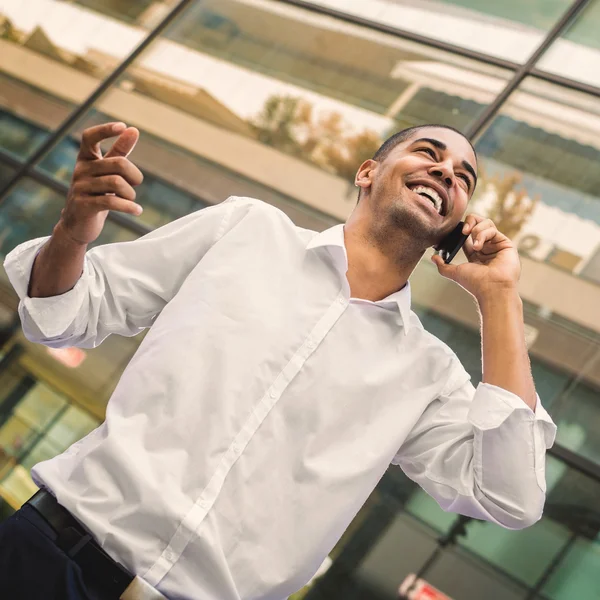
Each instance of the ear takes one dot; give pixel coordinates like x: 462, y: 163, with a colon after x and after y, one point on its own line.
x: 365, y: 173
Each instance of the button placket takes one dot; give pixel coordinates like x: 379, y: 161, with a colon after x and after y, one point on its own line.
x: 196, y: 515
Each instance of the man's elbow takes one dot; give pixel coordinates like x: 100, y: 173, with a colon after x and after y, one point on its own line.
x: 522, y: 515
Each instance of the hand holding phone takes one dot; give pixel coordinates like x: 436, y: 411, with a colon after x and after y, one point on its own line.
x: 452, y: 243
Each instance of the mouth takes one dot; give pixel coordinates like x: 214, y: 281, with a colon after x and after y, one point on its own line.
x: 432, y: 192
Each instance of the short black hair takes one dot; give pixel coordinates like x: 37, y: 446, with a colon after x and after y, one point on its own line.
x: 401, y: 136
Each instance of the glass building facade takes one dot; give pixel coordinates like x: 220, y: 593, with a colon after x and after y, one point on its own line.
x: 281, y: 100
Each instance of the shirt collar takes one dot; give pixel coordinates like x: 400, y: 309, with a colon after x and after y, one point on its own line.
x: 333, y: 239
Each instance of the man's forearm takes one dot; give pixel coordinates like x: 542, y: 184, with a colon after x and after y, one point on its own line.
x: 505, y: 357
x: 58, y: 266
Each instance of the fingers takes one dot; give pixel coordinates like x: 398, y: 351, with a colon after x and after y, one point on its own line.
x: 482, y: 234
x: 481, y: 230
x: 89, y: 148
x: 108, y: 184
x: 109, y: 202
x: 470, y: 222
x: 117, y: 165
x: 124, y: 143
x: 444, y: 269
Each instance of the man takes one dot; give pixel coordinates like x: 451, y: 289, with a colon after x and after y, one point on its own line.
x: 282, y: 374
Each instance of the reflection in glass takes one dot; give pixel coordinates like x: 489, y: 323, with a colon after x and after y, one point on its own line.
x: 39, y: 406
x: 576, y: 53
x: 30, y: 211
x: 577, y: 574
x: 40, y: 425
x: 389, y: 543
x: 236, y: 99
x: 131, y: 12
x: 509, y: 29
x: 73, y: 424
x: 577, y: 416
x: 18, y: 137
x: 47, y: 67
x: 540, y: 14
x: 540, y: 177
x: 6, y: 173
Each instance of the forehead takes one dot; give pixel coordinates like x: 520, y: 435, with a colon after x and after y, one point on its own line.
x: 457, y: 145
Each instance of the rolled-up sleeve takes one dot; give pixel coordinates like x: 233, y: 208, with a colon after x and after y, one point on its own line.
x: 481, y: 453
x: 123, y: 286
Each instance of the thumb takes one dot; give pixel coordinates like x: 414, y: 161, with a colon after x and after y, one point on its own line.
x: 445, y: 270
x: 124, y: 144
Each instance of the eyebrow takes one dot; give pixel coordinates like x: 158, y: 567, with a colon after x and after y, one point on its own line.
x: 442, y: 146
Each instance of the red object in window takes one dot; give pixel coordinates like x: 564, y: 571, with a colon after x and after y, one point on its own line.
x: 70, y: 357
x: 421, y: 590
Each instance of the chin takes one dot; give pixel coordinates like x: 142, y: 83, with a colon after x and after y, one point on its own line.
x: 415, y: 223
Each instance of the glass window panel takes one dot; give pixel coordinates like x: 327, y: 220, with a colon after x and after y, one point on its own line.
x: 39, y: 406
x: 576, y: 53
x: 526, y: 554
x: 577, y: 416
x: 509, y: 29
x: 541, y: 14
x: 17, y: 487
x: 15, y: 435
x: 13, y: 379
x: 60, y: 162
x: 523, y: 554
x: 539, y: 182
x: 45, y: 449
x: 72, y: 426
x: 6, y: 173
x: 19, y: 137
x: 577, y: 575
x: 425, y: 508
x: 549, y: 382
x: 131, y: 12
x: 51, y: 60
x: 112, y: 233
x: 31, y: 210
x: 233, y: 87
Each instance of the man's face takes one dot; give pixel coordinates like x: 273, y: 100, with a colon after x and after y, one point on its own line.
x: 424, y: 184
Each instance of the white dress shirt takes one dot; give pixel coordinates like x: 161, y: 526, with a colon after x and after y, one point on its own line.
x: 264, y: 405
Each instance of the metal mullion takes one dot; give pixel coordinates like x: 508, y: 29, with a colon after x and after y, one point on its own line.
x: 77, y: 114
x: 565, y: 82
x: 404, y: 34
x: 525, y: 69
x: 575, y: 461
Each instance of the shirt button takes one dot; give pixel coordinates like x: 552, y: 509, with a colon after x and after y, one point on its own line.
x: 169, y: 555
x: 273, y: 394
x: 342, y: 300
x: 311, y: 345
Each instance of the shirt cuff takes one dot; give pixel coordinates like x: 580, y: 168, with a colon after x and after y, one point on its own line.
x: 51, y: 315
x: 492, y: 405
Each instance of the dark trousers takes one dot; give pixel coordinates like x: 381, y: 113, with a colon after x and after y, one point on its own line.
x: 32, y: 567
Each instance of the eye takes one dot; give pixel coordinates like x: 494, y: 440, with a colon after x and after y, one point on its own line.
x: 427, y: 151
x: 465, y: 179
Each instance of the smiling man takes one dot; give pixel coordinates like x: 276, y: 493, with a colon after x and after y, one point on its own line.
x: 282, y: 374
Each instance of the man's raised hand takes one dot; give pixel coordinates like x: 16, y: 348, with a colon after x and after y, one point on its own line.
x: 101, y: 183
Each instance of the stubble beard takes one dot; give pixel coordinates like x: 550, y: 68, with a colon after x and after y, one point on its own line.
x: 405, y: 217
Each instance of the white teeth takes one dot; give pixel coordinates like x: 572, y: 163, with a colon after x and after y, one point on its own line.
x: 422, y: 189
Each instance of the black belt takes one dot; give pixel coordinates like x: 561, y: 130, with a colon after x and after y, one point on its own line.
x: 109, y: 576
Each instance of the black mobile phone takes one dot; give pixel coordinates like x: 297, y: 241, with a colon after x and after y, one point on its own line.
x: 452, y: 243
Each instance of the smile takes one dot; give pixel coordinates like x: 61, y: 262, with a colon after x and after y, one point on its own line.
x: 433, y: 196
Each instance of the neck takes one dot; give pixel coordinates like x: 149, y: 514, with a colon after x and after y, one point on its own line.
x: 379, y: 262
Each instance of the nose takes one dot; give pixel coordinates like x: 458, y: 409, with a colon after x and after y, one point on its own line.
x: 444, y: 171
